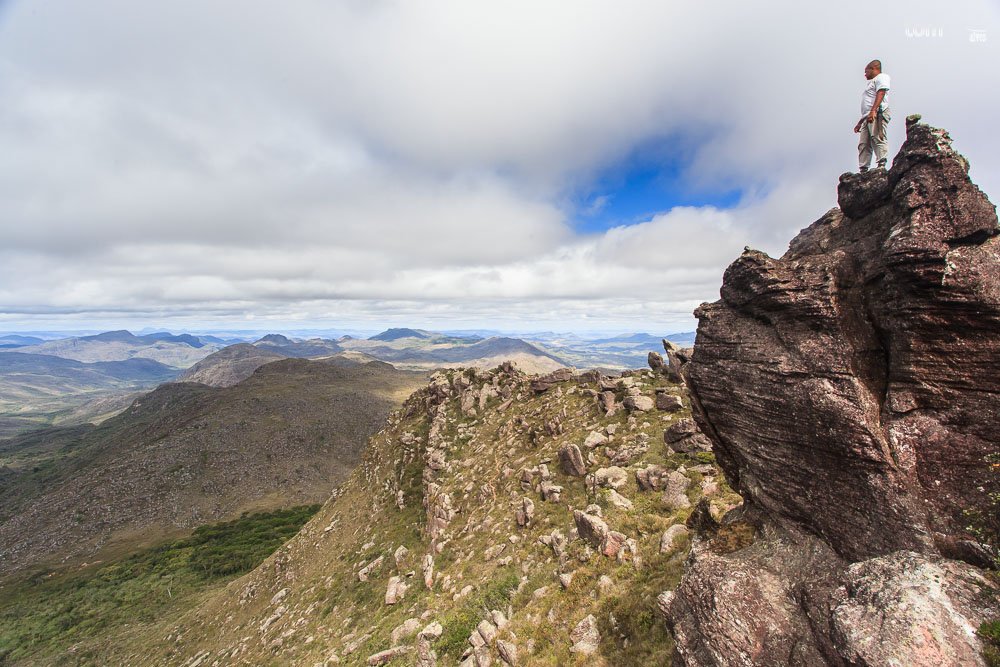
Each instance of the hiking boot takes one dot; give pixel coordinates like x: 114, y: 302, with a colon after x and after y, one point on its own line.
x: 862, y: 170
x: 881, y: 164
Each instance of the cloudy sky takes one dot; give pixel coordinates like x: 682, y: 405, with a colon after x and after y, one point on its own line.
x: 545, y: 164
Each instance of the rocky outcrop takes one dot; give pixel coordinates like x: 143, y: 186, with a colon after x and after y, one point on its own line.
x: 677, y: 357
x: 684, y: 436
x: 850, y: 392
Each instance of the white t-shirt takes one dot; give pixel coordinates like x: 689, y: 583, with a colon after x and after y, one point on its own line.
x: 880, y: 82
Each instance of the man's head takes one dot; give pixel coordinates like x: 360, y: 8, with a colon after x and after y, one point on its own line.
x: 873, y: 69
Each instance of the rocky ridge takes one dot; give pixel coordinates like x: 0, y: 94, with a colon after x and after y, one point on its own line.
x: 850, y: 391
x: 498, y: 518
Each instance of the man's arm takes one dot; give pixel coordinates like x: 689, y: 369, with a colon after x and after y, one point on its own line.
x: 876, y: 104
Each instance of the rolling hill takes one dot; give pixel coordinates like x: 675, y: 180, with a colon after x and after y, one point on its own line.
x: 186, y: 454
x: 39, y: 389
x: 230, y: 365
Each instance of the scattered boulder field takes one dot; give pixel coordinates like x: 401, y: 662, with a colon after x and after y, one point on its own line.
x: 497, y: 517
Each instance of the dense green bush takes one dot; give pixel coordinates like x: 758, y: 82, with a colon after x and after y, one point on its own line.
x: 234, y: 547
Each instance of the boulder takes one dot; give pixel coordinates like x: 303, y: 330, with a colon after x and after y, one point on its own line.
x: 526, y: 513
x: 867, y: 352
x: 612, y: 543
x: 680, y: 429
x: 608, y: 403
x: 638, y: 403
x: 508, y: 652
x: 396, y: 589
x: 668, y: 402
x: 671, y: 535
x: 571, y: 461
x: 685, y: 436
x: 543, y: 383
x: 590, y: 527
x: 487, y: 631
x: 550, y: 492
x: 595, y: 438
x: 612, y: 477
x: 368, y: 569
x: 655, y: 362
x: 652, y: 478
x: 427, y: 569
x: 675, y: 491
x: 432, y: 631
x: 677, y: 357
x: 388, y: 655
x: 406, y: 629
x: 619, y: 501
x: 585, y: 637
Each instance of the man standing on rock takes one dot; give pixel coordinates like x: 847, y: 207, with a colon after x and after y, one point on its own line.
x: 874, y: 117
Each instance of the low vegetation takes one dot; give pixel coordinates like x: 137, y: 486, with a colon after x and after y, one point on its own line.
x: 51, y: 611
x: 460, y: 622
x: 990, y: 634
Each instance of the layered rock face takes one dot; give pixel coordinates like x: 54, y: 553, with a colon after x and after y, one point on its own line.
x: 851, y: 390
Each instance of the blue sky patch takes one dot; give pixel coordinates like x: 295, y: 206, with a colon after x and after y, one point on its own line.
x: 649, y: 180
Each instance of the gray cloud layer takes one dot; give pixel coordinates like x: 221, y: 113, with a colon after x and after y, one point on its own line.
x: 401, y: 161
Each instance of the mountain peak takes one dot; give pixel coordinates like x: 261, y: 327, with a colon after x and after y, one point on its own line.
x: 397, y: 333
x: 121, y: 335
x: 275, y: 339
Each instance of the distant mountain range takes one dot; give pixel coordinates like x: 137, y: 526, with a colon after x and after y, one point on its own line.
x: 414, y: 348
x: 315, y: 347
x: 40, y: 389
x: 406, y: 348
x: 149, y: 339
x: 614, y: 352
x: 179, y: 351
x: 13, y: 340
x: 643, y: 339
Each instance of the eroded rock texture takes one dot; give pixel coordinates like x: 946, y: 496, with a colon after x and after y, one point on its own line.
x: 851, y: 391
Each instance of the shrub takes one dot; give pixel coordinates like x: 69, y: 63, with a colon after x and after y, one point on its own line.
x: 460, y: 623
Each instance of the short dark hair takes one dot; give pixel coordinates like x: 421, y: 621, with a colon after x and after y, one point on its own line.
x: 876, y: 63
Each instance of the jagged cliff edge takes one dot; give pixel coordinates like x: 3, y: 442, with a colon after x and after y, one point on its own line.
x: 850, y: 390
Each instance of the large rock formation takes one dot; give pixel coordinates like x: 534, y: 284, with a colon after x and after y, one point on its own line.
x: 850, y: 390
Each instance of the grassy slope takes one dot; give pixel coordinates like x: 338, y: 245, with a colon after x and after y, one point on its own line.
x: 188, y: 454
x: 306, y: 605
x: 50, y: 617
